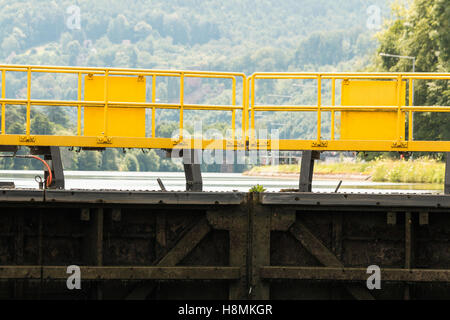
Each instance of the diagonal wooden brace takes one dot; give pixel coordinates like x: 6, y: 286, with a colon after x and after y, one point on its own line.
x: 186, y: 244
x: 325, y: 256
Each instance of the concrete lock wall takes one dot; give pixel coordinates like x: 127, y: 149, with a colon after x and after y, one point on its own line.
x: 189, y: 245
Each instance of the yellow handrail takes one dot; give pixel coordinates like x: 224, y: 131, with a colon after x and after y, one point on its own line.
x: 105, y: 140
x: 249, y: 106
x: 398, y: 144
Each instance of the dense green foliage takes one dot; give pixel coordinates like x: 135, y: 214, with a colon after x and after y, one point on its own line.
x: 422, y: 31
x: 235, y: 35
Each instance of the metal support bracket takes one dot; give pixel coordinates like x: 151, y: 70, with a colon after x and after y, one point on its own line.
x: 12, y: 149
x: 192, y: 171
x: 307, y: 170
x: 53, y: 155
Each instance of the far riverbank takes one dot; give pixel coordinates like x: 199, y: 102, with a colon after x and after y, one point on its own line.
x: 423, y: 170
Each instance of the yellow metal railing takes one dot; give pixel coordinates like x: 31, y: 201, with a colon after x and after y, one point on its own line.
x: 104, y: 140
x: 248, y: 106
x: 400, y: 143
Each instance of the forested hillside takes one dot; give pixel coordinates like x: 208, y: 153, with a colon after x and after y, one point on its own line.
x: 234, y: 35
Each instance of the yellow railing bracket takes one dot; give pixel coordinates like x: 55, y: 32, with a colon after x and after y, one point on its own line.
x: 27, y: 139
x: 319, y: 144
x: 399, y: 145
x: 104, y: 140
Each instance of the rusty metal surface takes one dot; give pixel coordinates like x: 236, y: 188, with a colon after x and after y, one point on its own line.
x: 347, y: 200
x: 144, y: 197
x: 21, y: 195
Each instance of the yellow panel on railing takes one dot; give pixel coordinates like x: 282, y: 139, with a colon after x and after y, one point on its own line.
x: 376, y: 124
x: 122, y: 121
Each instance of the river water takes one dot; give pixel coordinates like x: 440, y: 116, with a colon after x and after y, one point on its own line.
x: 174, y: 181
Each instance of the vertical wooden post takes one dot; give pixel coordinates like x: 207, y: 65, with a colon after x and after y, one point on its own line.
x: 235, y: 221
x: 238, y: 253
x: 259, y: 247
x: 18, y: 248
x: 409, y: 249
x: 40, y: 250
x: 161, y: 236
x: 93, y: 244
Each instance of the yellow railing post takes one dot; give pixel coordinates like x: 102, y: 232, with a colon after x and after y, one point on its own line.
x: 233, y: 112
x: 319, y: 103
x: 181, y: 104
x: 3, y: 103
x: 105, y: 113
x: 252, y: 105
x: 79, y: 106
x: 244, y: 108
x: 153, y: 107
x: 410, y: 113
x: 333, y: 103
x: 399, y: 105
x: 246, y: 122
x: 28, y: 125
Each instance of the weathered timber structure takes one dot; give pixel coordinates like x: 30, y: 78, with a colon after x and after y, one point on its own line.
x: 227, y: 245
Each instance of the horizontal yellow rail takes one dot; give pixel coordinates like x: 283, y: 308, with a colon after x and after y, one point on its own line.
x: 244, y: 137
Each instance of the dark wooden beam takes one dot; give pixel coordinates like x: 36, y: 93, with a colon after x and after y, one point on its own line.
x: 353, y: 274
x: 121, y: 273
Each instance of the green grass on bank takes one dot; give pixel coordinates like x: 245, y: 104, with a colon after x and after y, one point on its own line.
x: 423, y: 170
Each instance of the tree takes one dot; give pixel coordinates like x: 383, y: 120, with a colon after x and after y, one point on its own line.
x: 142, y: 30
x: 109, y: 160
x: 89, y: 160
x: 74, y: 48
x: 119, y: 29
x: 130, y: 163
x: 41, y: 125
x: 16, y: 128
x: 148, y: 161
x: 422, y: 32
x: 58, y: 115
